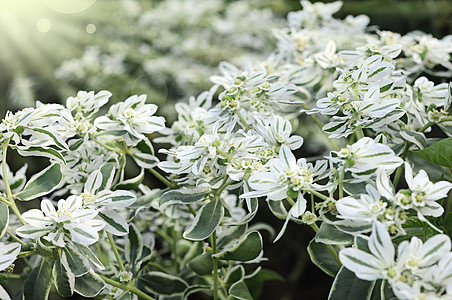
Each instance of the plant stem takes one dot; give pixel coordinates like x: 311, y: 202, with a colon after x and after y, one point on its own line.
x: 312, y: 204
x: 12, y: 204
x: 91, y: 136
x: 341, y: 184
x: 14, y: 237
x: 321, y: 196
x: 320, y: 125
x: 359, y: 132
x: 400, y: 168
x: 115, y: 251
x: 330, y: 247
x: 170, y: 184
x: 213, y: 239
x: 127, y: 288
x: 290, y: 201
x: 192, y: 210
x: 242, y: 119
x: 27, y: 253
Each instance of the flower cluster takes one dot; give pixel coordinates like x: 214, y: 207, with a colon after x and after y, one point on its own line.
x: 99, y: 231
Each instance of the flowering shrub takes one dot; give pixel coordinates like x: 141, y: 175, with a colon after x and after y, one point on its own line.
x: 96, y: 232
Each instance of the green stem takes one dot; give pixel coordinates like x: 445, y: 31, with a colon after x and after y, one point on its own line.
x: 128, y: 288
x: 290, y: 201
x: 92, y: 137
x: 27, y: 253
x: 242, y: 119
x: 321, y: 196
x: 359, y: 132
x: 14, y: 237
x: 192, y: 210
x: 115, y: 251
x: 320, y: 125
x: 170, y: 184
x: 330, y: 247
x: 215, y: 265
x: 400, y: 168
x: 312, y: 204
x: 12, y: 204
x: 341, y: 184
x: 429, y: 124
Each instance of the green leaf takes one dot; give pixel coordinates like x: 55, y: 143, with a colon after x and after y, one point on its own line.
x: 64, y: 280
x: 439, y: 153
x: 74, y: 261
x: 240, y: 291
x: 131, y: 183
x: 195, y: 288
x: 144, y: 160
x: 386, y: 291
x: 86, y: 252
x: 134, y: 245
x: 322, y: 258
x: 4, y: 218
x: 234, y: 275
x: 43, y: 247
x: 246, y: 249
x: 448, y: 224
x: 163, y: 284
x: 42, y: 152
x: 202, y: 264
x: 175, y: 197
x: 108, y: 173
x: 89, y: 285
x: 257, y: 280
x: 56, y: 139
x: 205, y: 222
x: 42, y: 183
x: 347, y: 286
x: 118, y: 228
x: 329, y: 234
x: 230, y: 235
x: 37, y: 285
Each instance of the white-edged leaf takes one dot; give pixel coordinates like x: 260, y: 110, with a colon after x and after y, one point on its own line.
x: 131, y: 183
x: 115, y: 223
x: 246, y: 249
x: 38, y: 283
x: 163, y: 284
x: 41, y: 183
x: 348, y: 286
x: 89, y: 285
x: 74, y: 261
x: 63, y: 279
x: 206, y: 221
x: 4, y: 218
x: 41, y: 152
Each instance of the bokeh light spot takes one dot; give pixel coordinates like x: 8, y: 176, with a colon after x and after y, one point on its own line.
x: 69, y: 6
x: 43, y: 25
x: 91, y: 28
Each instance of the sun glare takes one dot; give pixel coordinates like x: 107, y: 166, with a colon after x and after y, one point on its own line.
x: 35, y: 34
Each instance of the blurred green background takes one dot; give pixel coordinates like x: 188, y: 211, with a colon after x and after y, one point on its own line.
x: 52, y: 49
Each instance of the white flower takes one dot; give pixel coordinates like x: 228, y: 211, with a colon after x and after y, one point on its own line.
x: 407, y: 273
x: 133, y: 117
x: 88, y: 103
x: 379, y: 263
x: 429, y: 93
x: 70, y: 222
x: 364, y: 158
x: 285, y: 173
x: 422, y: 195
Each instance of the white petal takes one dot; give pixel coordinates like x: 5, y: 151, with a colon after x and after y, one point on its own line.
x: 364, y: 265
x: 380, y: 244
